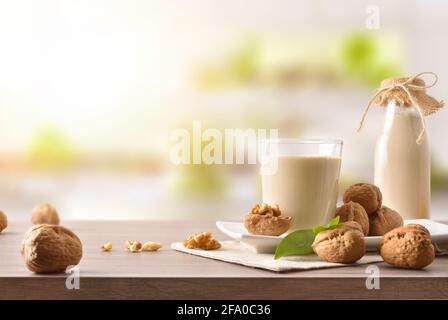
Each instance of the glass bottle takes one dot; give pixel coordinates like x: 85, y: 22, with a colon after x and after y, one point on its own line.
x: 402, y: 166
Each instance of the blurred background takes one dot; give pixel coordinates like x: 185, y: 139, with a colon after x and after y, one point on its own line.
x: 91, y: 90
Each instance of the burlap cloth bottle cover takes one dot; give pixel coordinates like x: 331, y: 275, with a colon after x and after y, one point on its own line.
x: 406, y: 91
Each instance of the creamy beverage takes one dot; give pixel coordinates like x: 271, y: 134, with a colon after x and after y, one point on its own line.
x: 402, y: 153
x: 402, y: 166
x: 305, y: 187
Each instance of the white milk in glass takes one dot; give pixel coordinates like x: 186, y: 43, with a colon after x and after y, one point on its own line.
x: 304, y: 186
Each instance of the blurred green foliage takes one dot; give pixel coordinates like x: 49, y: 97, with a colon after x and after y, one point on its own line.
x: 238, y: 68
x: 50, y: 149
x: 439, y: 177
x: 197, y: 181
x: 362, y: 59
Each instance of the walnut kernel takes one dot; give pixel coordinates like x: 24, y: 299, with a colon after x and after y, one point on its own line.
x: 133, y: 246
x: 266, y: 209
x: 202, y: 240
x: 151, y: 246
x: 106, y: 247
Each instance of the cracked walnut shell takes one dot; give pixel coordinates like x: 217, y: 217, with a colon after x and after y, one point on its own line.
x: 408, y: 247
x: 342, y: 244
x: 367, y: 195
x: 44, y: 213
x: 266, y: 220
x: 202, y: 240
x: 49, y: 248
x: 353, y: 211
x: 3, y: 221
x: 384, y: 220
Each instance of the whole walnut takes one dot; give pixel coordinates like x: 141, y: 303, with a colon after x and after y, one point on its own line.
x: 266, y: 220
x: 408, y: 247
x: 44, y: 213
x: 49, y: 248
x: 351, y: 224
x: 352, y: 211
x: 367, y: 195
x: 3, y: 221
x: 384, y: 220
x: 342, y: 244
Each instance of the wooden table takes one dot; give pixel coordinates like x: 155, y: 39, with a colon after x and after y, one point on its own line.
x: 168, y: 274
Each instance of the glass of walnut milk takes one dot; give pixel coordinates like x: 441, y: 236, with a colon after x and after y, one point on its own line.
x: 302, y: 177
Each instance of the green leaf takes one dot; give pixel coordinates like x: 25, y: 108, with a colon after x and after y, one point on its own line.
x: 332, y: 223
x: 300, y: 241
x: 297, y: 242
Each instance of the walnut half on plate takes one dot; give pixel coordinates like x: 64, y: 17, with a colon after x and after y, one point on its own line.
x: 266, y: 220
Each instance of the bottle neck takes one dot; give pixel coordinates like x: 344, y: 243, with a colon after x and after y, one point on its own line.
x: 393, y: 108
x: 397, y: 114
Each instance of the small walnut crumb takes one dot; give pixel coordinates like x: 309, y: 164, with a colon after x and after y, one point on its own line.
x: 107, y: 246
x: 127, y: 245
x: 136, y: 246
x: 3, y: 221
x: 133, y: 246
x: 266, y: 209
x: 151, y: 246
x: 202, y: 240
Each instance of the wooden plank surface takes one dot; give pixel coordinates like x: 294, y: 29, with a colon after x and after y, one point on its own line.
x: 168, y: 274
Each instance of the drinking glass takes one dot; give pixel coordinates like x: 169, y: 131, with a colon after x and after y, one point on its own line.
x: 302, y: 177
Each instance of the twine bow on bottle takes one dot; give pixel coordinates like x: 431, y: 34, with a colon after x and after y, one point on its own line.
x: 406, y: 91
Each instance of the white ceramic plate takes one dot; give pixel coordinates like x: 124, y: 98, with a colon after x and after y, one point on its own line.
x: 267, y: 244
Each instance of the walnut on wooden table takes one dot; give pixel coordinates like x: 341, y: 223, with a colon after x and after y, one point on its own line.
x: 133, y: 246
x: 202, y: 240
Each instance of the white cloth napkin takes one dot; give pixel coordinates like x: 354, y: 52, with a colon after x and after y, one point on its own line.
x: 234, y: 252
